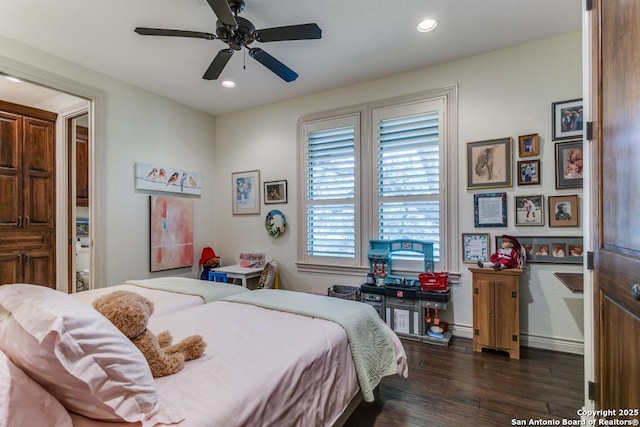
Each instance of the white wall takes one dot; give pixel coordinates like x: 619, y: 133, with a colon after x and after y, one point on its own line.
x: 133, y: 126
x: 501, y: 94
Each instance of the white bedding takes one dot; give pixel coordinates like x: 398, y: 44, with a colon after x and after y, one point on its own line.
x: 168, y: 294
x: 261, y: 368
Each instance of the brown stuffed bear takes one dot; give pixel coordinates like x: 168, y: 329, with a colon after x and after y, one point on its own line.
x: 130, y: 312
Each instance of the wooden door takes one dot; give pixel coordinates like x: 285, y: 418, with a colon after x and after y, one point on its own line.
x: 483, y: 313
x: 11, y: 267
x: 82, y: 166
x: 39, y: 173
x: 10, y: 171
x: 616, y: 193
x: 507, y: 315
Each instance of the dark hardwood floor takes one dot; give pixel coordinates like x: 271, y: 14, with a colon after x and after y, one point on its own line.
x: 453, y: 386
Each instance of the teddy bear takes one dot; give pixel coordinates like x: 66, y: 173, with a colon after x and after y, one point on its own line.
x: 130, y: 313
x: 509, y: 255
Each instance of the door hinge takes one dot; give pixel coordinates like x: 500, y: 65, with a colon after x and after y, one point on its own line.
x: 476, y: 291
x: 476, y: 332
x: 589, y: 131
x: 514, y: 294
x: 589, y: 260
x: 591, y: 390
x: 514, y: 338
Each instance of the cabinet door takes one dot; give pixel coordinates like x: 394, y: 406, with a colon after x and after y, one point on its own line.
x: 11, y: 269
x: 483, y: 313
x: 82, y: 166
x: 38, y: 267
x: 38, y: 171
x: 10, y: 171
x: 507, y: 314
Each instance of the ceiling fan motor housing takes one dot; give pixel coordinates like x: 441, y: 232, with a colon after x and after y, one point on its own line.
x: 236, y: 37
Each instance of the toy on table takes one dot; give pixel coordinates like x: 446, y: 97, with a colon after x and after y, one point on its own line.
x: 510, y: 255
x: 208, y: 260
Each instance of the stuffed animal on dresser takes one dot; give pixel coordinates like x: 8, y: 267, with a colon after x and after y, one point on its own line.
x: 130, y: 313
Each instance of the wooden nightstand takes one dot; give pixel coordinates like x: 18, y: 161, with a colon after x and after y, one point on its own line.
x: 496, y: 310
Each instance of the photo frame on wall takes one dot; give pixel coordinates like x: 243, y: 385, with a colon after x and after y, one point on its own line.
x: 549, y: 249
x: 489, y: 163
x: 529, y: 145
x: 171, y: 232
x: 490, y: 210
x: 475, y: 247
x: 245, y: 190
x: 529, y: 172
x: 564, y: 211
x: 567, y: 119
x: 529, y: 210
x: 569, y: 164
x: 275, y: 192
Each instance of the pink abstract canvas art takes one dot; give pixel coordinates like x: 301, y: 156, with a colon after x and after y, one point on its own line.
x: 171, y: 232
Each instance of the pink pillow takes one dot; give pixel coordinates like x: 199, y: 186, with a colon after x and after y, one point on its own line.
x: 23, y: 402
x: 78, y: 356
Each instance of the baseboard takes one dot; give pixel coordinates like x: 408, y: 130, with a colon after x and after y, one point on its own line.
x: 563, y: 345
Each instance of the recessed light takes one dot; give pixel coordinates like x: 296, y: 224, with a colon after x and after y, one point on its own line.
x: 228, y: 83
x: 427, y: 25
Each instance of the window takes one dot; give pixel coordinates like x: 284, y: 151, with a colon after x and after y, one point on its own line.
x: 391, y: 175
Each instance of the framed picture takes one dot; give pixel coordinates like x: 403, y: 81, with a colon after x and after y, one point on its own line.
x: 275, y: 192
x: 158, y: 177
x: 567, y: 119
x: 529, y: 145
x: 171, y: 236
x: 569, y: 164
x: 549, y: 249
x: 475, y: 247
x: 529, y: 210
x: 82, y: 226
x: 490, y: 210
x: 245, y: 192
x: 563, y: 211
x: 529, y: 172
x: 489, y: 163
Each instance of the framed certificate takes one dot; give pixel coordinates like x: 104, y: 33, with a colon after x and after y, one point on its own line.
x: 475, y: 247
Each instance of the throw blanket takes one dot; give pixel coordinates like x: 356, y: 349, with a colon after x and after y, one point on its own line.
x: 371, y: 346
x: 208, y: 291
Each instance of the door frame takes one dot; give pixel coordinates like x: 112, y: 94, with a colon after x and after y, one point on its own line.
x: 96, y: 107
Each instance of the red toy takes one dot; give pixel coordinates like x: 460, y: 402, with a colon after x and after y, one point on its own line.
x: 509, y: 255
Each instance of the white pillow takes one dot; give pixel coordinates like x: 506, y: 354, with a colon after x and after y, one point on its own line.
x: 78, y: 356
x: 24, y: 403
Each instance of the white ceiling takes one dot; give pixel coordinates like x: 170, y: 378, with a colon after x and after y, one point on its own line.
x: 361, y: 40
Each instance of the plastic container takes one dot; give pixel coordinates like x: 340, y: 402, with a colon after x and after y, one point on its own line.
x: 344, y: 292
x: 434, y: 281
x: 252, y: 259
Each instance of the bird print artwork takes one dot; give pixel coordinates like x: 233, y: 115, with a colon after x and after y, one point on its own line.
x: 162, y: 174
x: 182, y: 180
x: 173, y: 178
x: 192, y: 182
x: 156, y: 177
x: 153, y: 174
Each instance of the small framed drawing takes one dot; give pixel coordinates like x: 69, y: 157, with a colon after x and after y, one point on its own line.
x: 490, y: 210
x: 569, y: 164
x: 529, y: 210
x: 563, y: 211
x: 475, y: 247
x: 529, y: 172
x: 489, y: 163
x: 275, y: 192
x: 567, y: 119
x: 245, y: 190
x: 529, y: 145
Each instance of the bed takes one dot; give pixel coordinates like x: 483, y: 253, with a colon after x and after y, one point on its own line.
x: 169, y: 294
x: 274, y: 358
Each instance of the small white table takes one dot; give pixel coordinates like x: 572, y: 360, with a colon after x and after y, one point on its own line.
x: 237, y: 272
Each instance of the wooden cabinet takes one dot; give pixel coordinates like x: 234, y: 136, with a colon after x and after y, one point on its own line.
x: 496, y: 310
x: 82, y: 166
x: 27, y: 191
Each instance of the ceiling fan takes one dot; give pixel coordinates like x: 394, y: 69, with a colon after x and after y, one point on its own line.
x: 238, y: 32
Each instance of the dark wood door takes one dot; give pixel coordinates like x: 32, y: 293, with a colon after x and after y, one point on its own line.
x: 10, y: 171
x: 82, y: 166
x: 39, y: 173
x: 616, y: 154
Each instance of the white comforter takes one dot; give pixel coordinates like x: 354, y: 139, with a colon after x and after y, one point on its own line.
x: 261, y: 368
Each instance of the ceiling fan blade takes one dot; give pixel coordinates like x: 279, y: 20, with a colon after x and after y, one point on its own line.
x: 174, y: 33
x: 218, y: 64
x: 284, y: 72
x: 289, y: 32
x: 223, y: 12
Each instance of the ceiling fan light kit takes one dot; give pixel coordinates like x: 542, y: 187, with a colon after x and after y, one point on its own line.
x: 238, y: 33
